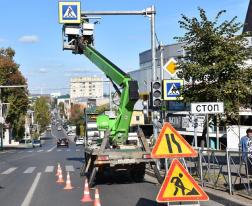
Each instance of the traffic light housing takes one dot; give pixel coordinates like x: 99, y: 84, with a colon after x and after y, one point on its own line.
x: 156, y: 94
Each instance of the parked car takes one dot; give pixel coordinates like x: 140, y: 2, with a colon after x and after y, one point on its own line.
x: 62, y: 142
x: 79, y: 141
x: 36, y: 143
x: 59, y: 128
x: 71, y: 133
x: 26, y: 142
x: 49, y: 127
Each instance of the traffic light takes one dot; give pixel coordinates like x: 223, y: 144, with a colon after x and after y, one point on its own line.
x: 156, y: 94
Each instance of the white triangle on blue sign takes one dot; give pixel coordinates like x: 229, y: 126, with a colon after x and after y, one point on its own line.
x: 173, y: 90
x: 70, y: 13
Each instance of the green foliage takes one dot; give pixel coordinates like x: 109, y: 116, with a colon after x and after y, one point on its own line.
x: 82, y: 131
x: 77, y: 114
x: 215, y: 65
x: 42, y: 113
x: 62, y: 109
x: 17, y: 97
x: 102, y: 108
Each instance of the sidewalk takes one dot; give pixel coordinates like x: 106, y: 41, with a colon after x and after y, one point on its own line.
x: 217, y: 195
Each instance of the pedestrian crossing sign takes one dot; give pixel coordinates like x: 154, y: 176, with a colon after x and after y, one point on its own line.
x: 69, y: 12
x: 170, y: 144
x: 172, y: 89
x: 180, y: 186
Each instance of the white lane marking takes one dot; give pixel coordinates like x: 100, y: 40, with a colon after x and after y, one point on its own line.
x: 41, y: 150
x: 77, y: 150
x: 68, y: 150
x: 29, y: 170
x: 58, y: 150
x: 51, y: 149
x: 12, y: 151
x: 28, y: 198
x: 8, y: 171
x: 30, y: 151
x: 3, y: 152
x: 20, y: 152
x: 69, y: 168
x: 49, y: 169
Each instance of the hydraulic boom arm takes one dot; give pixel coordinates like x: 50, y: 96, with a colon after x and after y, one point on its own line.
x: 118, y: 128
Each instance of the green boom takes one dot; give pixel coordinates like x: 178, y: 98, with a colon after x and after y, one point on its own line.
x: 119, y: 128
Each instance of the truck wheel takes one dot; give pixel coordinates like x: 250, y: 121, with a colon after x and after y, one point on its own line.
x: 137, y: 172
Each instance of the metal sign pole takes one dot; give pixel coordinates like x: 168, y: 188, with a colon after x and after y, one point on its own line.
x: 195, y: 130
x: 207, y: 124
x: 217, y: 133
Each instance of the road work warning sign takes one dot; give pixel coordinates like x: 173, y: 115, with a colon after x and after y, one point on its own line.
x: 179, y: 185
x: 170, y: 144
x: 69, y: 12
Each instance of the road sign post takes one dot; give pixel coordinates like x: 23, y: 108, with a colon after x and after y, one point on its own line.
x: 208, y: 108
x: 170, y: 144
x: 172, y: 89
x: 69, y: 12
x: 171, y: 66
x: 178, y: 185
x: 195, y: 130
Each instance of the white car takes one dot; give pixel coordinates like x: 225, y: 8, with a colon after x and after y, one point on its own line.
x: 79, y: 141
x: 36, y: 143
x: 59, y: 129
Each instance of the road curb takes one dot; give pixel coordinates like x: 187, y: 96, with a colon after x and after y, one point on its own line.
x: 228, y: 201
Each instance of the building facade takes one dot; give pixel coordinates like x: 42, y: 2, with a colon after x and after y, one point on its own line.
x: 86, y: 87
x: 144, y: 74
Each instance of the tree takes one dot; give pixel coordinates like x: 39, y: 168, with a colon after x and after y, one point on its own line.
x: 62, y: 110
x: 17, y: 97
x: 42, y: 113
x: 77, y: 114
x: 215, y: 66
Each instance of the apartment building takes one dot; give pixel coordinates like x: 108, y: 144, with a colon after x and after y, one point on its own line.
x: 86, y: 87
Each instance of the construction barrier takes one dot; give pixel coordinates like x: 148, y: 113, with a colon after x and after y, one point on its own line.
x: 222, y: 169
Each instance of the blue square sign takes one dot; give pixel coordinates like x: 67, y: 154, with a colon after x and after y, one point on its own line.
x: 69, y: 12
x: 172, y: 89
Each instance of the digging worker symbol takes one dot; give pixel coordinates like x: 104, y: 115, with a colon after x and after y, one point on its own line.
x: 180, y: 186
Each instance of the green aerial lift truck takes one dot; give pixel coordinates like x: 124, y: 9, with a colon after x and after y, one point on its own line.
x: 113, y: 151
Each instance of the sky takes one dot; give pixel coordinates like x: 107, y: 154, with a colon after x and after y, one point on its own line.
x: 31, y: 28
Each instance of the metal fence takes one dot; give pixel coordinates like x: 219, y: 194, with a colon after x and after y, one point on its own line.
x: 222, y: 169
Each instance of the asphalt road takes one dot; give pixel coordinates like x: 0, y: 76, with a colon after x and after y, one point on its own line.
x: 27, y: 177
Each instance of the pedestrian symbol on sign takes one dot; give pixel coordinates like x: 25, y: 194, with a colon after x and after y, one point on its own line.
x: 69, y: 12
x: 174, y: 89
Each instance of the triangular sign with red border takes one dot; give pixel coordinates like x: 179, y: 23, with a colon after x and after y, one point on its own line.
x: 170, y: 144
x: 180, y: 186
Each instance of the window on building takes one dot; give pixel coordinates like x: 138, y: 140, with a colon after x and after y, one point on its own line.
x: 137, y: 118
